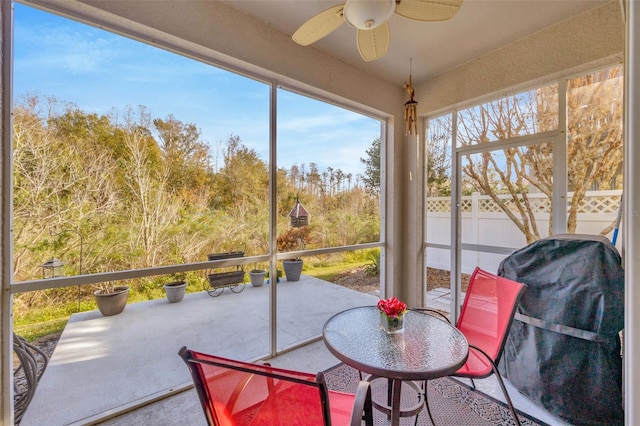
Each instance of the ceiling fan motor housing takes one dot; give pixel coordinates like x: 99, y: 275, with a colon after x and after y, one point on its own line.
x: 368, y: 14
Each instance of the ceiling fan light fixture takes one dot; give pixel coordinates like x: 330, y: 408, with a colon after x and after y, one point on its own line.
x: 368, y: 14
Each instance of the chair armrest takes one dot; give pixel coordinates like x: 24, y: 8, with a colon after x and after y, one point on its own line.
x: 362, y: 406
x: 433, y: 311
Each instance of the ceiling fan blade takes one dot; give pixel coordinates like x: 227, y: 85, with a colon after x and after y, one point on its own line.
x: 428, y: 10
x: 373, y: 44
x: 319, y: 26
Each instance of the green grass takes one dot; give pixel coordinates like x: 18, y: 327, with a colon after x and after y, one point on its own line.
x: 328, y: 273
x: 35, y: 331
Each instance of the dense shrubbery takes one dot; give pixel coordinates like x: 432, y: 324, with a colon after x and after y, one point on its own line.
x: 139, y: 192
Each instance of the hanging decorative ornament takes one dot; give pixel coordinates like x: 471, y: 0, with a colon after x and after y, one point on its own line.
x: 410, y: 108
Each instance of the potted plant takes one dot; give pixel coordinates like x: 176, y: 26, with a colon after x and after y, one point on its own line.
x: 176, y: 288
x: 278, y: 276
x: 292, y: 268
x: 392, y: 313
x: 257, y: 277
x: 111, y: 299
x: 294, y: 238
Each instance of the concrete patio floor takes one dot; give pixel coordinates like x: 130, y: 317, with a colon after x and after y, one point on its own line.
x: 125, y: 365
x: 102, y: 364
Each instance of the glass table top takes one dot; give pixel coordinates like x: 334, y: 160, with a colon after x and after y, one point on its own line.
x: 428, y: 348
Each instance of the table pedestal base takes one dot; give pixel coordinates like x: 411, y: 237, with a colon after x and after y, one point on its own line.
x: 392, y: 408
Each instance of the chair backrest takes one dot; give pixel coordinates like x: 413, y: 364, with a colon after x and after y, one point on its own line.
x: 241, y: 393
x: 488, y: 310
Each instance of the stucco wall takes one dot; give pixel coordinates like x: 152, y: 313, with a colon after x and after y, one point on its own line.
x: 592, y: 39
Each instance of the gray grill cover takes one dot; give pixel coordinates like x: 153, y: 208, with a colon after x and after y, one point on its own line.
x: 564, y: 351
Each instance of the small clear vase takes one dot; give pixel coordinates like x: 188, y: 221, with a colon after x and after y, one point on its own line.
x: 392, y: 325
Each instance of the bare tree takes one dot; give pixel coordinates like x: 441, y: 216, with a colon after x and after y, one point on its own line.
x: 151, y: 210
x: 56, y: 183
x: 438, y: 149
x: 594, y: 146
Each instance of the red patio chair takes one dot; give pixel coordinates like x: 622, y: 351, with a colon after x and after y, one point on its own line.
x: 485, y: 319
x: 236, y: 393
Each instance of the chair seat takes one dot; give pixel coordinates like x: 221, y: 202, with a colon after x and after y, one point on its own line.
x: 289, y: 410
x: 477, y: 366
x: 286, y: 405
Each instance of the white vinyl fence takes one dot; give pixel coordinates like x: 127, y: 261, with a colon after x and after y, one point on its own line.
x: 484, y: 223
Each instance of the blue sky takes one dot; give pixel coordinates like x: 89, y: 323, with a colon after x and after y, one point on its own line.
x: 105, y: 73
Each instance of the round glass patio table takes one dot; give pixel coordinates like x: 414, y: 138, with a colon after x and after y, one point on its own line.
x: 427, y: 349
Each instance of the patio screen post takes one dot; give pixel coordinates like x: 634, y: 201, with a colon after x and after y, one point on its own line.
x: 6, y: 268
x: 631, y: 216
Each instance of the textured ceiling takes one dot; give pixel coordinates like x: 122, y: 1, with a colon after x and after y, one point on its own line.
x: 431, y: 47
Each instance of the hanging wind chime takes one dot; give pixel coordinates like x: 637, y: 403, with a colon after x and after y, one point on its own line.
x: 410, y: 108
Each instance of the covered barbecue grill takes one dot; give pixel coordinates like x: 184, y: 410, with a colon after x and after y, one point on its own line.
x: 563, y: 350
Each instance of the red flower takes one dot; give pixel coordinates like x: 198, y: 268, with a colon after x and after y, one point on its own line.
x: 392, y: 307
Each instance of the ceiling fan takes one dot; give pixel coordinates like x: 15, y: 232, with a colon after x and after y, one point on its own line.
x: 370, y: 17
